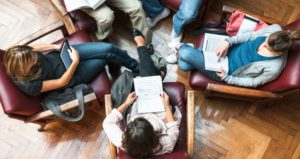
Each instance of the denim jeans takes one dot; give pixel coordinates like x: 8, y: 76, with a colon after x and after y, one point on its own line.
x: 191, y: 58
x: 187, y: 12
x: 94, y: 56
x: 152, y: 7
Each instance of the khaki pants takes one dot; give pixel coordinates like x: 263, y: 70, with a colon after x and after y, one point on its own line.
x: 104, y: 17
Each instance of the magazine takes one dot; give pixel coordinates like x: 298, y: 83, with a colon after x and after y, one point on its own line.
x: 72, y: 5
x: 148, y: 90
x: 210, y: 44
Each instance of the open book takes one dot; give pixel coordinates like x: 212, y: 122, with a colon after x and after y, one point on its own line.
x: 77, y: 4
x: 211, y: 42
x: 148, y: 90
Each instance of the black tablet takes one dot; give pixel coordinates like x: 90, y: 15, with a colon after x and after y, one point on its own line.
x: 64, y: 54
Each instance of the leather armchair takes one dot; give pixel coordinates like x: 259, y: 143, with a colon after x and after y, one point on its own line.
x: 185, y: 144
x: 18, y: 105
x: 287, y: 82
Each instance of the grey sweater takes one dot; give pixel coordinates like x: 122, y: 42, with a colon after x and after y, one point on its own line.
x: 256, y: 73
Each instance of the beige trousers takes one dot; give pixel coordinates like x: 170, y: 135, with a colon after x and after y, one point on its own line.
x: 104, y: 17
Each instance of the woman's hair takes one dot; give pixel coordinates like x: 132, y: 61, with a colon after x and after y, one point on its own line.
x: 21, y: 63
x: 281, y: 41
x: 140, y: 139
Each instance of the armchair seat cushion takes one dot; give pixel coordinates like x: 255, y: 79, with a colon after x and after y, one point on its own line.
x: 16, y: 102
x: 176, y: 93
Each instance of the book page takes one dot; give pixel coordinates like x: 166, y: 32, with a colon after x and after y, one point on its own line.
x: 211, y: 42
x: 148, y: 90
x: 95, y: 3
x: 76, y: 4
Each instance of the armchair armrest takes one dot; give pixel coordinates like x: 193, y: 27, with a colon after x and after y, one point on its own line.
x: 190, y: 123
x: 108, y: 109
x: 228, y: 10
x: 239, y: 91
x: 57, y: 4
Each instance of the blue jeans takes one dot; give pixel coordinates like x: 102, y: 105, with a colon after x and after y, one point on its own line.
x: 93, y: 58
x: 187, y: 12
x: 191, y: 58
x: 152, y: 7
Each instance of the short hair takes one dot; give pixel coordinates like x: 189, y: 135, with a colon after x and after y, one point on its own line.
x: 140, y: 139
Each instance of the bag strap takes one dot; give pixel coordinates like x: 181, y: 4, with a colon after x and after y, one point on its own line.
x: 55, y: 108
x: 211, y: 27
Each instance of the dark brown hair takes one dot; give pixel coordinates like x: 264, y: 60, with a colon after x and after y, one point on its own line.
x: 140, y: 139
x: 281, y: 41
x: 20, y: 62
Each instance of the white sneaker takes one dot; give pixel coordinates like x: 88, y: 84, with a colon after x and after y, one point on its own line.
x: 172, y: 58
x: 176, y: 37
x: 153, y: 21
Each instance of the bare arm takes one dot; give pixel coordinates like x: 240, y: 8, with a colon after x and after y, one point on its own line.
x: 45, y: 47
x: 169, y: 114
x: 66, y: 77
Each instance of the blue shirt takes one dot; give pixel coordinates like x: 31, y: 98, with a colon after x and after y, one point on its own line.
x: 245, y: 53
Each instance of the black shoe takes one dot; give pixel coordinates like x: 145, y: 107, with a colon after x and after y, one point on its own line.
x: 136, y: 33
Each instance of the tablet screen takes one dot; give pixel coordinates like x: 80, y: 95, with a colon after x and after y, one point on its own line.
x: 64, y: 54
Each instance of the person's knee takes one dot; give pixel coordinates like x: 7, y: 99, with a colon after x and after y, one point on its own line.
x: 189, y: 15
x: 106, y: 17
x: 184, y: 53
x: 136, y: 9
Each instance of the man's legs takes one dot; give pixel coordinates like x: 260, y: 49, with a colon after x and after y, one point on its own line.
x: 137, y: 16
x: 187, y: 12
x: 104, y: 17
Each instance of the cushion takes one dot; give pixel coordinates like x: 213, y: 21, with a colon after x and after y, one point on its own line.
x: 176, y: 93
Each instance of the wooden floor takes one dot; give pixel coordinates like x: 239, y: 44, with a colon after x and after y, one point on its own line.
x: 224, y: 128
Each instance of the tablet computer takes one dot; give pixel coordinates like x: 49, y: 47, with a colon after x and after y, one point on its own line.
x: 64, y: 54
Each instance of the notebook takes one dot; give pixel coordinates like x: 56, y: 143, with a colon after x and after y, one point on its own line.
x: 64, y: 54
x: 148, y: 90
x: 210, y: 44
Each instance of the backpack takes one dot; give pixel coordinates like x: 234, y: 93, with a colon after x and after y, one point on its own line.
x: 54, y: 99
x: 237, y: 23
x: 120, y: 90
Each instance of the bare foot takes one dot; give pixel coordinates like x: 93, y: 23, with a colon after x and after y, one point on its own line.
x: 139, y: 40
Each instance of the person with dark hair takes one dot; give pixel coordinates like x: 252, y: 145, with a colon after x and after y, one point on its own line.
x: 149, y: 133
x: 34, y: 71
x: 254, y: 58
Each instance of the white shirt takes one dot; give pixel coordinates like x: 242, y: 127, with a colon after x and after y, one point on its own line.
x: 169, y: 130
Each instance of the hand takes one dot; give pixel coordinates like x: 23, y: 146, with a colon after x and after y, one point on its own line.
x: 130, y: 99
x: 74, y: 55
x: 222, y: 50
x: 165, y: 99
x: 221, y: 74
x: 56, y: 47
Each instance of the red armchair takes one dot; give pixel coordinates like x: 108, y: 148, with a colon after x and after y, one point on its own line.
x: 18, y: 105
x: 287, y: 82
x: 185, y: 144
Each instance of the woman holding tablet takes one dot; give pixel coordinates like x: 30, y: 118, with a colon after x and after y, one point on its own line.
x: 39, y: 68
